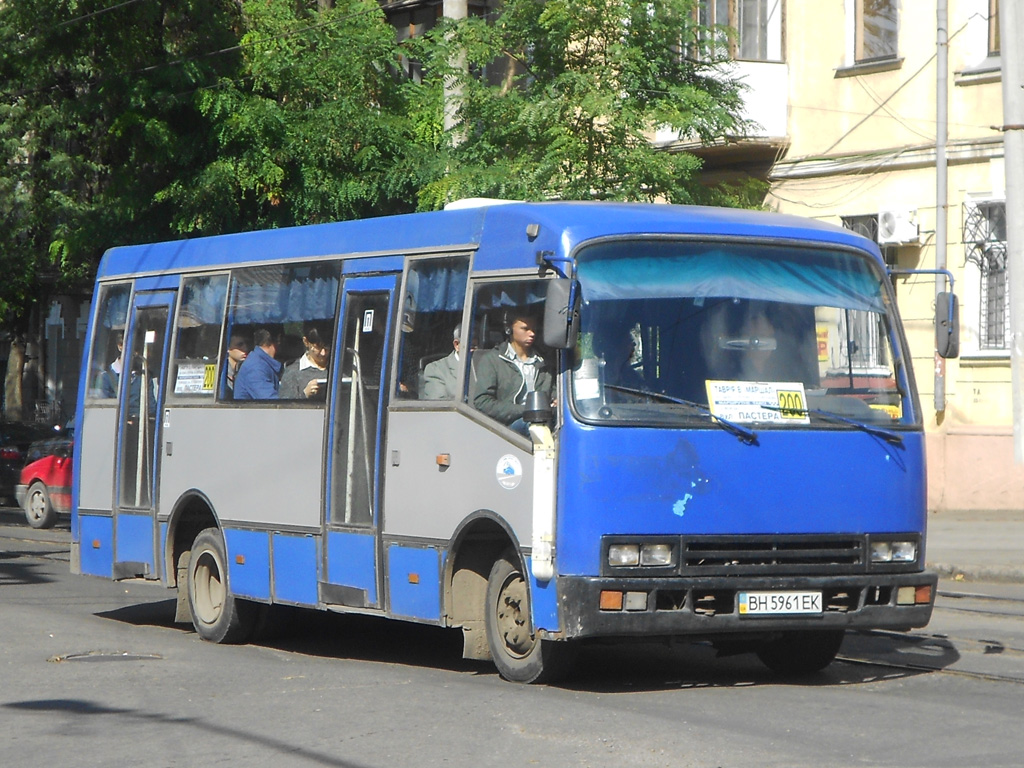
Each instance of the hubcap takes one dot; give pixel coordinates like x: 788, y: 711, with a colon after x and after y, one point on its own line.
x: 36, y: 506
x: 513, y: 621
x: 208, y: 588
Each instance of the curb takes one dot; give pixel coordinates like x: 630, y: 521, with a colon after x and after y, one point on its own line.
x: 998, y: 573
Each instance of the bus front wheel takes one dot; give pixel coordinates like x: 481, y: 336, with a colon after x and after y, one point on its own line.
x: 801, y: 653
x: 518, y: 653
x: 216, y: 614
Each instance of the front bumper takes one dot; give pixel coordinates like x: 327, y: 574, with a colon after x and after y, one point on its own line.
x: 709, y: 606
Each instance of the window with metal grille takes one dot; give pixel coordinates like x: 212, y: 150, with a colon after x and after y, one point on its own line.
x: 984, y: 237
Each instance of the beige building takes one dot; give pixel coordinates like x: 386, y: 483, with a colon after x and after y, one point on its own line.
x: 844, y: 96
x: 857, y: 80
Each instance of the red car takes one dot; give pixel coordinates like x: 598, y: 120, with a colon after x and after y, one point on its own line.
x: 44, y: 490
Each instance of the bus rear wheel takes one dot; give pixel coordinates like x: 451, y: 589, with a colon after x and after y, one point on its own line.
x: 216, y: 614
x: 801, y: 653
x: 519, y: 655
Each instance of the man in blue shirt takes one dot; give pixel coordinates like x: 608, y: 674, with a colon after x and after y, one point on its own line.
x: 259, y: 377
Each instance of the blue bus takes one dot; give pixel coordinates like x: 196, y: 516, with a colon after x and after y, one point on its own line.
x: 539, y: 423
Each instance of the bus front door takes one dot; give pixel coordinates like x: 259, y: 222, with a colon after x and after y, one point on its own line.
x: 140, y: 402
x: 351, y: 570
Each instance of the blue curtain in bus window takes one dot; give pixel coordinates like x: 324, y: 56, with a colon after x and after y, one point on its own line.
x: 791, y: 276
x: 284, y: 298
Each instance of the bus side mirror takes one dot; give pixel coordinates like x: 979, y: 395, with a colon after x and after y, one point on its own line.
x: 947, y: 324
x: 561, y: 314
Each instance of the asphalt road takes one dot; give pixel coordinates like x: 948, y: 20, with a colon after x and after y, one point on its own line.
x: 95, y: 673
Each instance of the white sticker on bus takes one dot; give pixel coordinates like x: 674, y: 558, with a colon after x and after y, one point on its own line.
x: 758, y: 401
x: 509, y: 471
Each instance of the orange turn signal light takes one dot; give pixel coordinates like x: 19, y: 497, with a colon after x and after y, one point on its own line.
x: 611, y: 600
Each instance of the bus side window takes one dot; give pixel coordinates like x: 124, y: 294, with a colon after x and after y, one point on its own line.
x: 286, y: 301
x: 431, y: 358
x: 510, y: 359
x: 105, y: 362
x: 200, y: 317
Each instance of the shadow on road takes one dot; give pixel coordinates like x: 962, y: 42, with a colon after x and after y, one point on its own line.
x: 17, y: 567
x: 83, y: 708
x: 866, y: 657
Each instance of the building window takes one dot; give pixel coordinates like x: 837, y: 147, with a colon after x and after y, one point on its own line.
x: 876, y: 30
x: 867, y: 225
x: 985, y: 247
x: 993, y: 27
x: 756, y: 29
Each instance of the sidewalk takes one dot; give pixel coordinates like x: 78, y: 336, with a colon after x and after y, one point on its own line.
x: 976, y: 546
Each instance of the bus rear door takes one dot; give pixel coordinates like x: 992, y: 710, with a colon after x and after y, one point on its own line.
x: 351, y: 555
x: 139, y: 409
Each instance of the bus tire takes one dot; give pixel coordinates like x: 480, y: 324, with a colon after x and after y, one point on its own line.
x: 217, y: 615
x: 519, y: 655
x: 801, y: 653
x: 39, y: 511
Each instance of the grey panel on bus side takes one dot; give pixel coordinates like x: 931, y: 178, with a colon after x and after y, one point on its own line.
x: 256, y: 465
x: 422, y: 499
x: 95, y: 453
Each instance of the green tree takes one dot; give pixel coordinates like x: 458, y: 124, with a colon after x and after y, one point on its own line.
x: 313, y: 127
x: 96, y: 117
x: 561, y: 99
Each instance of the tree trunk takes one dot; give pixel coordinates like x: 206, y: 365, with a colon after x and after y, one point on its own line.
x: 13, y: 410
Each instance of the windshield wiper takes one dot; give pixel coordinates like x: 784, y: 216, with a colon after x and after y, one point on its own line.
x: 747, y: 436
x: 890, y: 437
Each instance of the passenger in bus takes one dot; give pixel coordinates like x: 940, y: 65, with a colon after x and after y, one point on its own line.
x: 259, y: 378
x: 441, y: 377
x: 306, y: 378
x: 238, y: 350
x: 502, y: 376
x: 106, y: 381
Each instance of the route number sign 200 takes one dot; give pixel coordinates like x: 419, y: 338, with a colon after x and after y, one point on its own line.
x: 791, y: 404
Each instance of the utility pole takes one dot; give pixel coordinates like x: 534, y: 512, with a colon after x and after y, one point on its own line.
x: 453, y: 9
x: 941, y: 194
x: 1011, y: 22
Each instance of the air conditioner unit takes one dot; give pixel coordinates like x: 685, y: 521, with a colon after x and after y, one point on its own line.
x: 897, y: 225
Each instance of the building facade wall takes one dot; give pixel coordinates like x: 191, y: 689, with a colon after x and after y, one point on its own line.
x: 862, y: 139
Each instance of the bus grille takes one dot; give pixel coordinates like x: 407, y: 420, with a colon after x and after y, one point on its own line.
x: 750, y: 555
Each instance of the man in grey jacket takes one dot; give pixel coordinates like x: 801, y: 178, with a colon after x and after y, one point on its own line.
x: 502, y: 376
x: 441, y: 377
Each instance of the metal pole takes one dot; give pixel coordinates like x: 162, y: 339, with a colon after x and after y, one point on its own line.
x: 1011, y: 19
x: 453, y: 9
x: 941, y: 195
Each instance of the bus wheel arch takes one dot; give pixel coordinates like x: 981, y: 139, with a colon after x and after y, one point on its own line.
x: 192, y: 514
x: 476, y: 546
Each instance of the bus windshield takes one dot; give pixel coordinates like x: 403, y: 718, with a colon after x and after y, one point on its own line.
x: 773, y: 335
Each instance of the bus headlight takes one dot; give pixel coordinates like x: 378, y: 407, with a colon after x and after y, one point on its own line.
x: 893, y: 551
x: 656, y: 554
x: 620, y: 555
x: 644, y: 555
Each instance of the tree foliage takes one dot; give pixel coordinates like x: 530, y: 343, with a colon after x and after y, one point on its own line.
x: 561, y: 98
x: 97, y: 115
x: 312, y: 127
x: 148, y: 120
